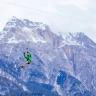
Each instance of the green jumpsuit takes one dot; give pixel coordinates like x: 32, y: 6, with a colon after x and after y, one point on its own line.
x: 28, y: 57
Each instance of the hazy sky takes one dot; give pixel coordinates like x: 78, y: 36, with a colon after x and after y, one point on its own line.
x: 82, y: 14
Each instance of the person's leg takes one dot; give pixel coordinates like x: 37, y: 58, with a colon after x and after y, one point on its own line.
x: 23, y: 66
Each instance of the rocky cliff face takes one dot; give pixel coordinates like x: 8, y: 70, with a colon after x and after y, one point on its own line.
x: 62, y: 65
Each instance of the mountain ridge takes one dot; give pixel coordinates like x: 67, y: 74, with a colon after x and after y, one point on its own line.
x: 73, y: 54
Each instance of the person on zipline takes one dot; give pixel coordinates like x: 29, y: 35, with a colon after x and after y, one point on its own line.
x: 29, y: 59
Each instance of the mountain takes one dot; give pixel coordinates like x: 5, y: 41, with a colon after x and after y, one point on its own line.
x: 63, y: 65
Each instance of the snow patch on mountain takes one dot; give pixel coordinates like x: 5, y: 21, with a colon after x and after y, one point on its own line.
x: 24, y: 88
x: 2, y: 93
x: 12, y: 40
x: 36, y: 25
x: 27, y: 29
x: 1, y: 37
x: 41, y: 26
x: 2, y: 73
x: 30, y: 24
x: 33, y: 36
x: 10, y: 24
x: 13, y: 19
x: 76, y: 34
x: 9, y: 77
x: 57, y: 87
x: 2, y: 34
x: 69, y: 39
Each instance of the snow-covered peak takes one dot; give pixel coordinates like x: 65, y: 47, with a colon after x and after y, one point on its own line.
x: 12, y: 19
x: 32, y: 36
x: 13, y: 22
x: 72, y: 35
x: 15, y: 28
x: 41, y: 25
x: 69, y: 38
x: 41, y: 32
x: 77, y: 34
x: 36, y: 25
x: 77, y: 38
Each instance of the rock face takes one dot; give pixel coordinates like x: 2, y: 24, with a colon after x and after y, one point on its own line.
x: 63, y: 65
x: 71, y: 86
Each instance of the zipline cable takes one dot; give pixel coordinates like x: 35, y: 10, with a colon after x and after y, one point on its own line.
x: 45, y: 12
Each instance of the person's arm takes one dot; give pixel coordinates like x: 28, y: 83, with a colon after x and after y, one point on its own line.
x: 28, y: 53
x: 25, y: 55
